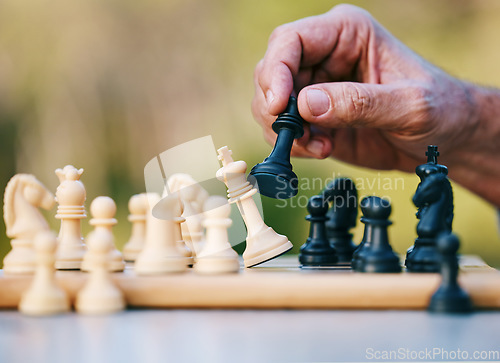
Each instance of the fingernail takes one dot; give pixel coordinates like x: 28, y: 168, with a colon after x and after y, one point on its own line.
x: 315, y: 147
x: 269, y: 97
x: 318, y: 101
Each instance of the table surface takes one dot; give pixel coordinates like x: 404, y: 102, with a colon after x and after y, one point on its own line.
x: 242, y: 335
x: 250, y: 335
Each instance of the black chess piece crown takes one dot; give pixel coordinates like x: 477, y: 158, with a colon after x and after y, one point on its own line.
x: 432, y: 166
x: 274, y: 176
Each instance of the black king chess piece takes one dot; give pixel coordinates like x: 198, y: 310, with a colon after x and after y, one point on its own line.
x: 449, y: 297
x: 434, y: 200
x: 317, y: 250
x: 342, y: 196
x: 376, y: 255
x: 274, y: 176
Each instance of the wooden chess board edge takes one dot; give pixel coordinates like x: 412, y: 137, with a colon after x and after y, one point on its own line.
x: 275, y: 289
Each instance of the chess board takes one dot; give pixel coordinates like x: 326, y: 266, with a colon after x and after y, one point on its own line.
x: 279, y: 284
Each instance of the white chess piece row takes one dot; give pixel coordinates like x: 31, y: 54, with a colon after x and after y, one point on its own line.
x: 70, y: 195
x: 25, y: 194
x: 161, y: 253
x: 98, y: 296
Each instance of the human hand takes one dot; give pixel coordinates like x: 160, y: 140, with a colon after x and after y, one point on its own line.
x: 368, y: 99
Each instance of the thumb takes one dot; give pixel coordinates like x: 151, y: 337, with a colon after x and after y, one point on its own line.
x: 349, y: 104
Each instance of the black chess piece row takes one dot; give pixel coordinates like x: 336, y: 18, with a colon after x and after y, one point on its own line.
x: 373, y: 255
x: 433, y: 198
x: 332, y: 214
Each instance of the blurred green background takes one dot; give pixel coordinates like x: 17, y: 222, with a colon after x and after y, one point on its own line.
x: 108, y: 85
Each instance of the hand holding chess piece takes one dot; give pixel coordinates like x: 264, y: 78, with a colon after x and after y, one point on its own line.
x: 274, y: 176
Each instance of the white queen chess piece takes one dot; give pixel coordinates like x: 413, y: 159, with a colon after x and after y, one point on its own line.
x: 70, y: 196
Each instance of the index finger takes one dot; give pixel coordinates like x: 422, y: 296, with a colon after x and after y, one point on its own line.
x: 301, y: 43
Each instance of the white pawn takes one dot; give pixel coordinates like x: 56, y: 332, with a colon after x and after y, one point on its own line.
x: 44, y: 297
x: 99, y: 295
x: 161, y: 253
x: 103, y: 210
x: 180, y: 232
x: 138, y: 207
x: 217, y: 256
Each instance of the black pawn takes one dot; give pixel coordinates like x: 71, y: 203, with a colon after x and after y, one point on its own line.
x: 342, y: 216
x: 274, y: 176
x: 357, y: 255
x: 363, y: 247
x: 378, y: 257
x: 317, y: 250
x: 449, y: 297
